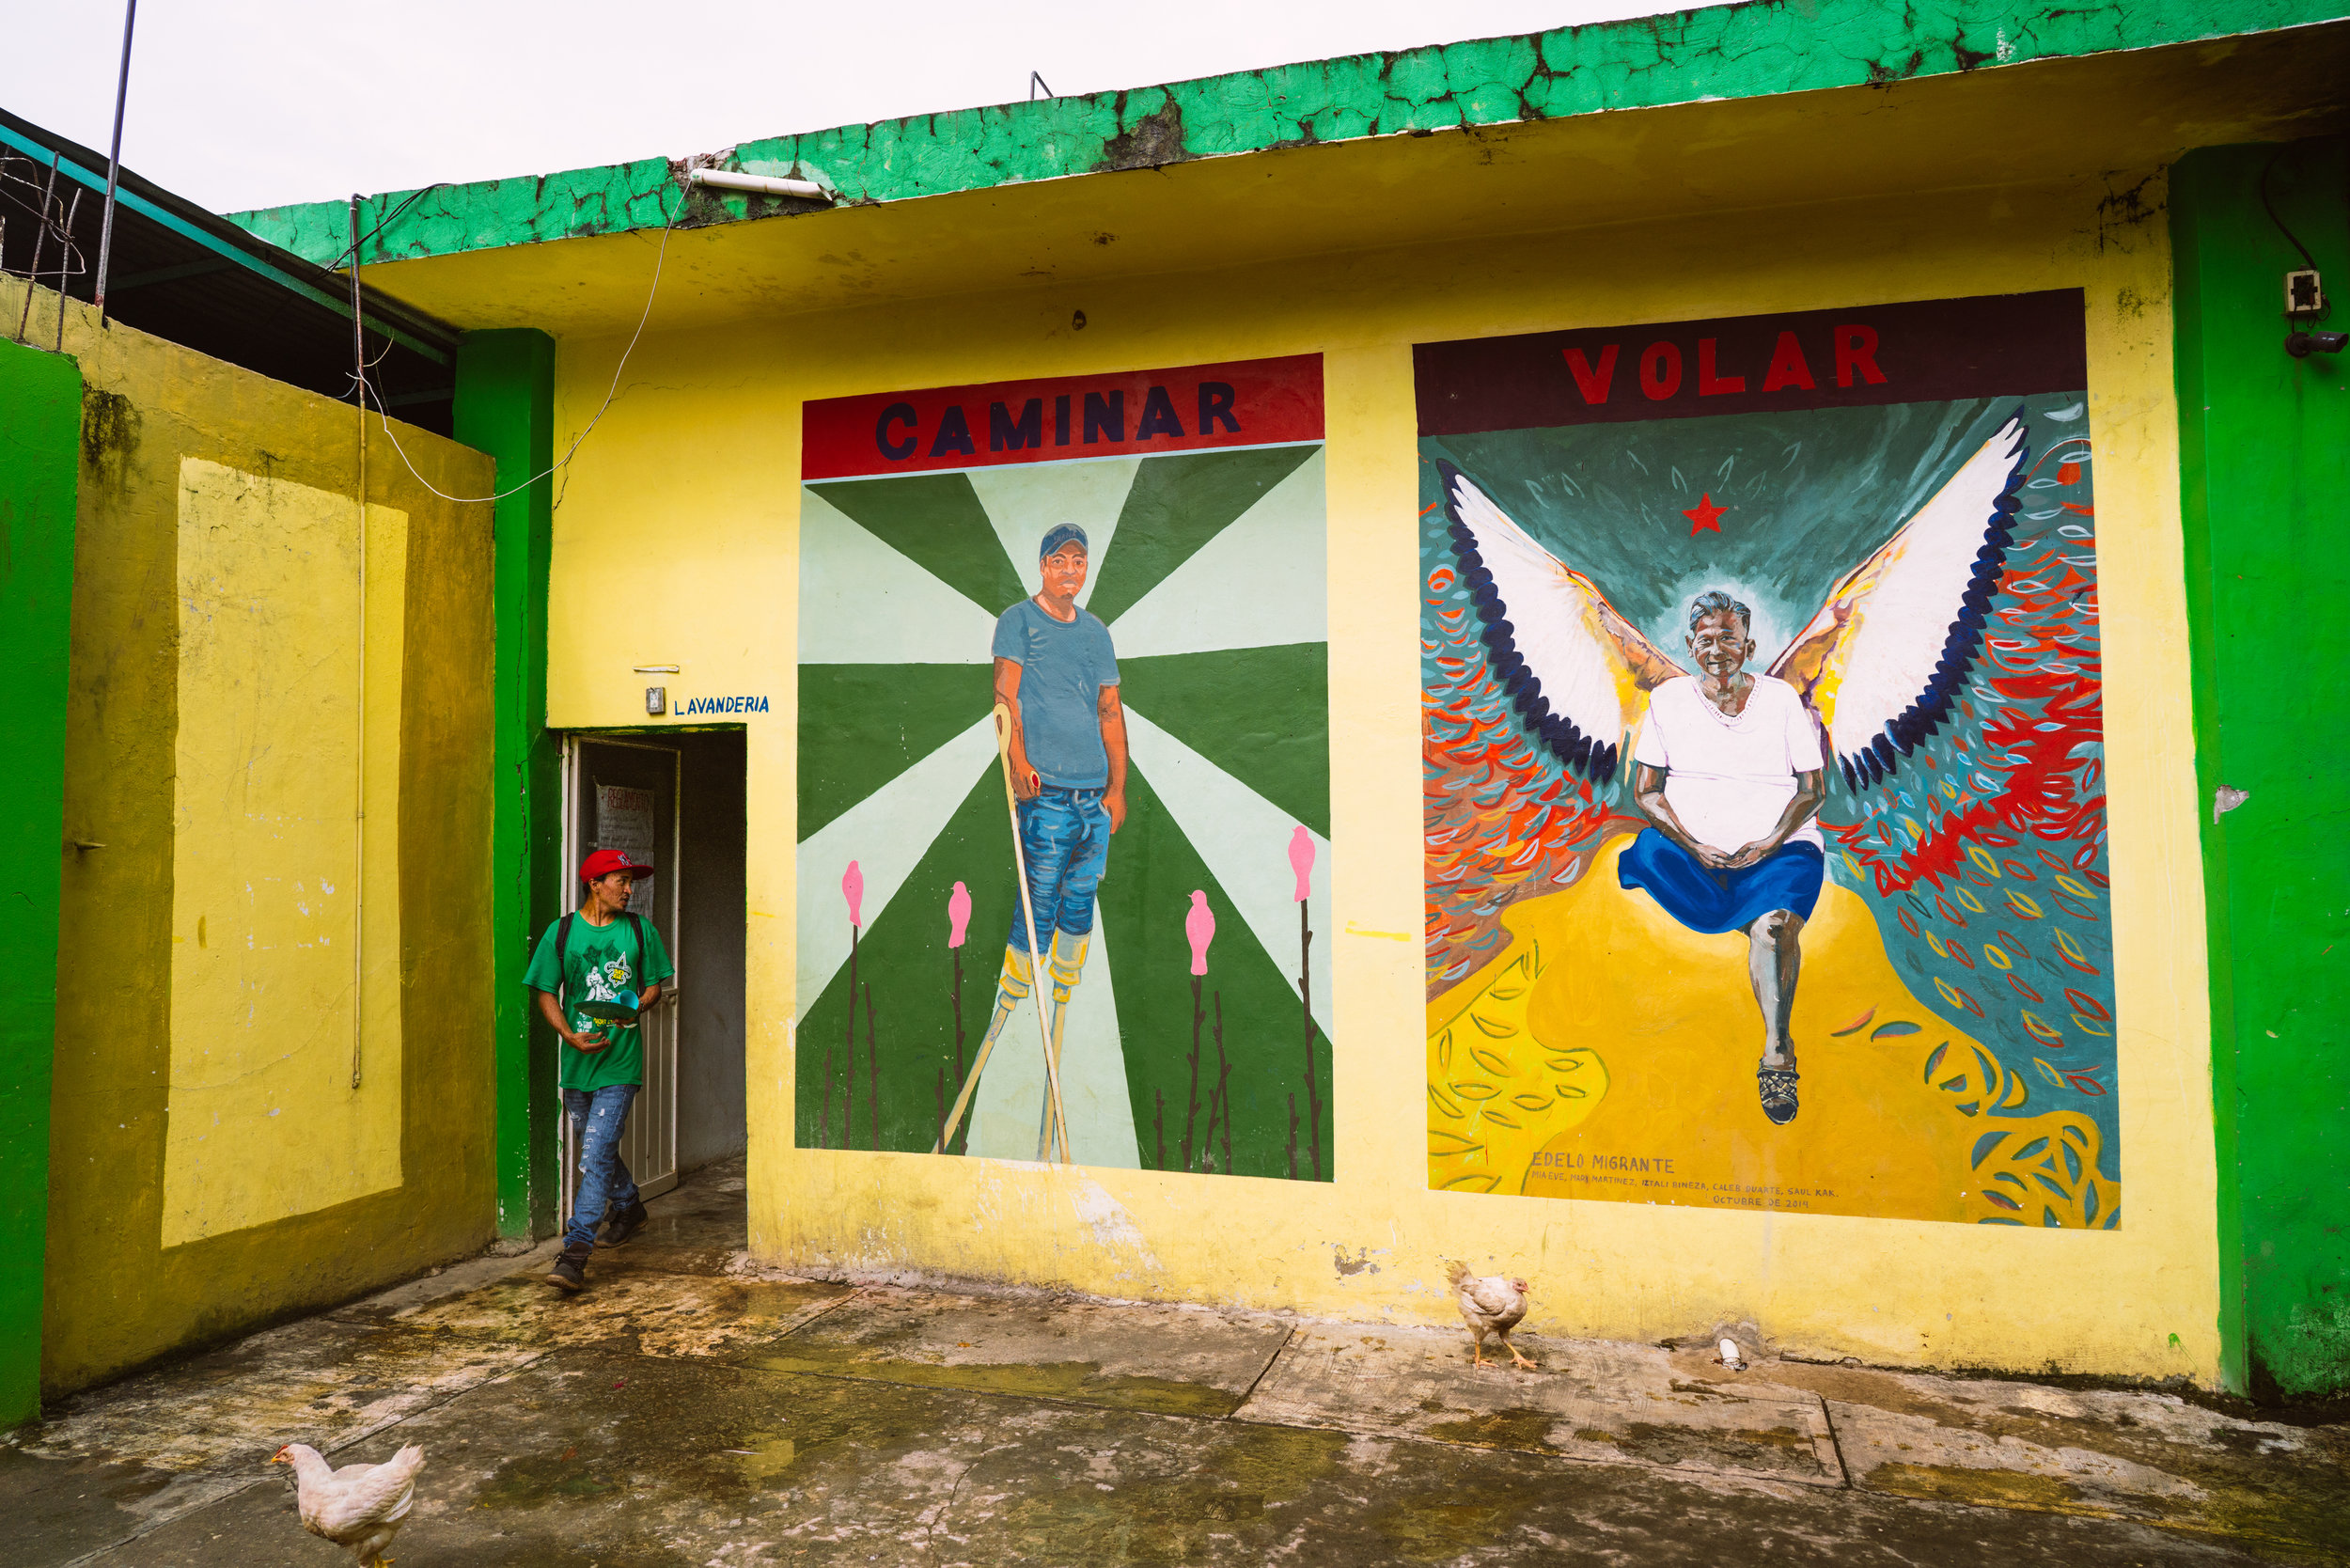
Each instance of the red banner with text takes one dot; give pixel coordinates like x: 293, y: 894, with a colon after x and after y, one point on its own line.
x: 1255, y: 402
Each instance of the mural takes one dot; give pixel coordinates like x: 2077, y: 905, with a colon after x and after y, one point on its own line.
x: 1764, y: 810
x: 1064, y: 823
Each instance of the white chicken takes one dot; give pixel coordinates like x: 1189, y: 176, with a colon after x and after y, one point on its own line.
x: 359, y: 1507
x: 1490, y: 1305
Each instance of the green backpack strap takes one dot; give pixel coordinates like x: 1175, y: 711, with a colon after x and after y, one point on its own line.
x: 562, y: 975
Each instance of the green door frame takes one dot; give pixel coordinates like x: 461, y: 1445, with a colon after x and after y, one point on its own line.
x: 505, y: 406
x: 2265, y: 501
x: 41, y: 444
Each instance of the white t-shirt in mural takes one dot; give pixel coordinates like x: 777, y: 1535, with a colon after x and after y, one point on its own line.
x: 1730, y: 778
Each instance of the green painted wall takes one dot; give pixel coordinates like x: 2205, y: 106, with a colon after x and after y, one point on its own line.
x: 1723, y: 51
x: 40, y: 424
x: 506, y: 407
x: 116, y: 1296
x: 2264, y: 472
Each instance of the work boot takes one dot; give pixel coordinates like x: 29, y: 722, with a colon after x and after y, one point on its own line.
x: 570, y: 1273
x: 621, y: 1224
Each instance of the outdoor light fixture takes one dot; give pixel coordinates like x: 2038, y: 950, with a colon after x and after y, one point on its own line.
x: 758, y: 184
x: 2306, y: 304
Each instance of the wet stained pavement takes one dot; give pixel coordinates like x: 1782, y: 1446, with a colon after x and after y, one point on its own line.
x: 690, y: 1409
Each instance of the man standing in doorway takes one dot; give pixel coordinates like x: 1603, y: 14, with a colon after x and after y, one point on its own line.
x: 596, y: 971
x: 1057, y: 673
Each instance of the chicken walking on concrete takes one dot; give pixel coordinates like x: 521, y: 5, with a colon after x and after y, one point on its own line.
x: 359, y: 1507
x: 1490, y: 1305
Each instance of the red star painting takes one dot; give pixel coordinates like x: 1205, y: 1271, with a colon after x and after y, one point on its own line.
x: 1704, y: 515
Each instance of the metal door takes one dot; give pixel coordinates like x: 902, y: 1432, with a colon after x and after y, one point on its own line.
x: 603, y: 785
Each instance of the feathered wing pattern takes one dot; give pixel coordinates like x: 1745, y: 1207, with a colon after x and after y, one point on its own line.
x: 1531, y: 684
x: 1578, y: 673
x: 1957, y: 672
x: 1885, y: 659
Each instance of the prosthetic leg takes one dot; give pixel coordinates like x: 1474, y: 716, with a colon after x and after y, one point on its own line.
x: 1018, y: 966
x: 1013, y: 985
x: 1064, y: 965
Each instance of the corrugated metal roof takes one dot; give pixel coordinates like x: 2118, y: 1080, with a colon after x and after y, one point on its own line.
x: 195, y: 278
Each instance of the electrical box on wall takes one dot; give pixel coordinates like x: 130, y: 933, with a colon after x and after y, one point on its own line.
x: 656, y: 700
x: 2304, y: 294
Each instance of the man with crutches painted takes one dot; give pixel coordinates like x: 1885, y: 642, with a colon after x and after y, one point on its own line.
x: 1057, y: 674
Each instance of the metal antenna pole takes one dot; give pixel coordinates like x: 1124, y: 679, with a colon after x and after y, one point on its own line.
x: 114, y: 160
x: 32, y: 278
x: 359, y: 816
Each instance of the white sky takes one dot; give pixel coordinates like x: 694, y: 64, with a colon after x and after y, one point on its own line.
x: 242, y: 103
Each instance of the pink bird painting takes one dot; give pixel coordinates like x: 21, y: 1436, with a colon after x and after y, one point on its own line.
x: 958, y: 926
x: 1200, y: 925
x: 852, y: 889
x: 1302, y: 862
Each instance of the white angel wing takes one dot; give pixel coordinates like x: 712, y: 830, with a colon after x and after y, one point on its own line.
x: 1885, y: 659
x: 1578, y: 672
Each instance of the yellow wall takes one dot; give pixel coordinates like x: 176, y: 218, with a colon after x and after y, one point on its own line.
x: 211, y: 1166
x: 684, y: 505
x: 285, y: 1011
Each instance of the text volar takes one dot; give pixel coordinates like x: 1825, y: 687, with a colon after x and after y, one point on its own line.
x: 1853, y: 350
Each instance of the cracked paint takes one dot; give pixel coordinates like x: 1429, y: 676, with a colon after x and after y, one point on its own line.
x: 1727, y: 52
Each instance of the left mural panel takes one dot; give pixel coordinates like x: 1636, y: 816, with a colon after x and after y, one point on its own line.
x: 1064, y: 815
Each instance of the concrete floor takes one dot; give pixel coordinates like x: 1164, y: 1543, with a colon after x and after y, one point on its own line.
x: 688, y: 1410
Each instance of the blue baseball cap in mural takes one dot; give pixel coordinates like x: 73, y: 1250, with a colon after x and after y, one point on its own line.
x: 1067, y: 533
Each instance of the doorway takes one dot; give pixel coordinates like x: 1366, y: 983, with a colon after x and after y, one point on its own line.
x: 676, y: 802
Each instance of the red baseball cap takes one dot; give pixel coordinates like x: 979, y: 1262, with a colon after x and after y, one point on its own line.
x: 605, y: 862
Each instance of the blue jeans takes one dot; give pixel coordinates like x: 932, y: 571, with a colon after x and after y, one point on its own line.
x: 599, y: 1116
x: 1065, y: 837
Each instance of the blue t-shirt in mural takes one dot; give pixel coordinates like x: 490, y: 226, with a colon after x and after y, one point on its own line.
x: 1063, y: 668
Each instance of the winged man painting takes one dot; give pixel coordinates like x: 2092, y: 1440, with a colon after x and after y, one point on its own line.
x: 1764, y: 818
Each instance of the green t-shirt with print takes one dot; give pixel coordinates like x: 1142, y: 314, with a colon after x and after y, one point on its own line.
x: 602, y: 964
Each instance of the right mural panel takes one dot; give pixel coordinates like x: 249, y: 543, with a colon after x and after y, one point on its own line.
x: 1764, y: 801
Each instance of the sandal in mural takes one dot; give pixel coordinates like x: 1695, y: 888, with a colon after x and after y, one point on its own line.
x: 1778, y: 1088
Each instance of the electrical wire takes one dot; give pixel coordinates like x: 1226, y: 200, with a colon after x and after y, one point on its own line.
x: 2306, y: 259
x: 385, y: 222
x: 368, y: 393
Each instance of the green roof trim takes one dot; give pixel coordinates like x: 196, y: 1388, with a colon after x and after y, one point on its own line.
x: 1728, y: 52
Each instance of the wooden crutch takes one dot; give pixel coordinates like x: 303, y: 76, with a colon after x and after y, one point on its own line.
x: 1037, y: 988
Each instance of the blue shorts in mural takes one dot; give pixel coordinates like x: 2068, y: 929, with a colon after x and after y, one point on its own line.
x: 1717, y: 901
x: 1065, y: 837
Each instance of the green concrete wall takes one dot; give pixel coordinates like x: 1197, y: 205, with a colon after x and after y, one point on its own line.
x: 116, y: 1296
x: 505, y: 406
x: 40, y: 423
x: 1722, y: 52
x: 2264, y: 465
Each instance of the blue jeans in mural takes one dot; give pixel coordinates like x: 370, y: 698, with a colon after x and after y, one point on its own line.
x: 599, y: 1116
x: 1065, y: 837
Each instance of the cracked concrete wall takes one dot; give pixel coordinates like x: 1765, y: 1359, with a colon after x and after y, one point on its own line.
x: 1727, y: 52
x: 128, y: 1280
